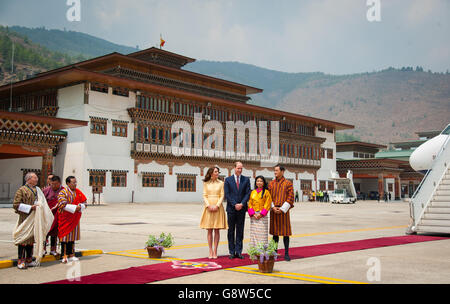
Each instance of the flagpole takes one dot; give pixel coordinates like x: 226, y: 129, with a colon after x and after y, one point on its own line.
x: 12, y: 72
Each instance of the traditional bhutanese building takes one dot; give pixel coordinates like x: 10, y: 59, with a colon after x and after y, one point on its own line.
x: 376, y: 171
x: 130, y: 103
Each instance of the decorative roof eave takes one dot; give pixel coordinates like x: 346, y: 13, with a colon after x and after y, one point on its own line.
x: 55, y: 123
x: 77, y: 75
x: 370, y: 164
x: 360, y: 143
x: 117, y: 57
x: 160, y: 51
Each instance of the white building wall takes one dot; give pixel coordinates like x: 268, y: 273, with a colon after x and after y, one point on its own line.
x: 153, y: 194
x: 11, y: 176
x: 327, y: 165
x: 71, y: 154
x: 82, y: 150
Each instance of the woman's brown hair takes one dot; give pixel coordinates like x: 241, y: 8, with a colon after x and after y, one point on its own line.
x: 209, y: 173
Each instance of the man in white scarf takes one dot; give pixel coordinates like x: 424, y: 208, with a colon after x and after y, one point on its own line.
x: 34, y: 222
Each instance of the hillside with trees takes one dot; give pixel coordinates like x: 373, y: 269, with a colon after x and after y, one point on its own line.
x: 29, y: 58
x: 70, y: 42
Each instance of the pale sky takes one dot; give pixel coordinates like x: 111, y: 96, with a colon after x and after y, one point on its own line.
x: 331, y: 36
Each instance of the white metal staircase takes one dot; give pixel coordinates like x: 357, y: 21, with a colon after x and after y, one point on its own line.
x: 430, y: 204
x: 436, y: 217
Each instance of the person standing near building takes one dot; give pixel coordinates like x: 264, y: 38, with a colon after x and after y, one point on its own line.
x: 71, y: 203
x: 49, y: 180
x: 237, y: 193
x: 296, y: 196
x: 23, y: 204
x: 51, y: 194
x: 259, y: 206
x: 34, y: 222
x: 282, y: 193
x: 213, y: 217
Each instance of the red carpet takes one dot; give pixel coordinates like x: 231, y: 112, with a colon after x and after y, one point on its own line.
x: 164, y: 271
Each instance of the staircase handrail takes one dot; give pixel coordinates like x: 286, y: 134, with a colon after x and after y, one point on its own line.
x: 416, y: 198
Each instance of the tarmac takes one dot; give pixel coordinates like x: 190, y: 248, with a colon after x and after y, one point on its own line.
x: 113, y: 237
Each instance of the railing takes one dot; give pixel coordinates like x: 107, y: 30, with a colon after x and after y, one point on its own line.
x: 426, y: 189
x: 165, y: 149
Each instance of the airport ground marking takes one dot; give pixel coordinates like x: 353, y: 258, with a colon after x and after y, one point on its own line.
x: 295, y: 276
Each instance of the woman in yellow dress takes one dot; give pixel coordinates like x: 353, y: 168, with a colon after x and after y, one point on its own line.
x: 259, y: 205
x: 213, y: 216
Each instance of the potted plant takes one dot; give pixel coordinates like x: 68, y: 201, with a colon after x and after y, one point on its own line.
x: 155, y: 245
x: 265, y: 254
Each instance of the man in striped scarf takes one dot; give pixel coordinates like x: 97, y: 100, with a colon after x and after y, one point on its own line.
x: 282, y: 193
x: 71, y: 203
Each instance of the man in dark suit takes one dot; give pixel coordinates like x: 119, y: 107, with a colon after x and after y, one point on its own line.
x: 237, y: 193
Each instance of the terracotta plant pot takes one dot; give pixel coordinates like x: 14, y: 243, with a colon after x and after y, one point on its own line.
x: 267, y: 265
x: 154, y: 253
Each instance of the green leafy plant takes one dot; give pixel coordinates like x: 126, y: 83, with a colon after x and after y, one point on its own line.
x: 263, y: 251
x: 161, y: 242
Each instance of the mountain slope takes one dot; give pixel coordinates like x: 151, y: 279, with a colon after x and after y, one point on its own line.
x: 386, y: 106
x: 274, y: 83
x: 71, y: 42
x: 29, y: 58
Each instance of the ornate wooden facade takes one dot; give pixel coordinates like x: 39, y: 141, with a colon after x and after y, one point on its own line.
x: 25, y: 135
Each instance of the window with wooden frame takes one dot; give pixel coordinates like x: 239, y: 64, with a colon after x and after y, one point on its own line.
x: 97, y: 178
x: 118, y: 178
x: 120, y: 91
x: 98, y: 125
x: 390, y: 187
x: 323, y: 185
x: 330, y: 153
x: 331, y: 185
x: 153, y: 180
x: 119, y: 128
x: 99, y: 87
x: 306, y: 184
x: 186, y: 182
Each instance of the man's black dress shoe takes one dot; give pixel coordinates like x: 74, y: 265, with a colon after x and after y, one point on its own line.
x: 231, y: 256
x: 287, y: 258
x: 239, y: 256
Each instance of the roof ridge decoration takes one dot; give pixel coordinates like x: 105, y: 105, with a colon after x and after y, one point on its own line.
x: 162, y: 57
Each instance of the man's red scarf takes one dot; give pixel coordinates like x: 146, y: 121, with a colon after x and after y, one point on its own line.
x: 68, y: 221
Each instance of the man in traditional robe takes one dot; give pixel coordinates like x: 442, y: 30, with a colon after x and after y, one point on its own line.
x: 71, y: 203
x: 51, y: 194
x: 35, y: 219
x: 282, y: 193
